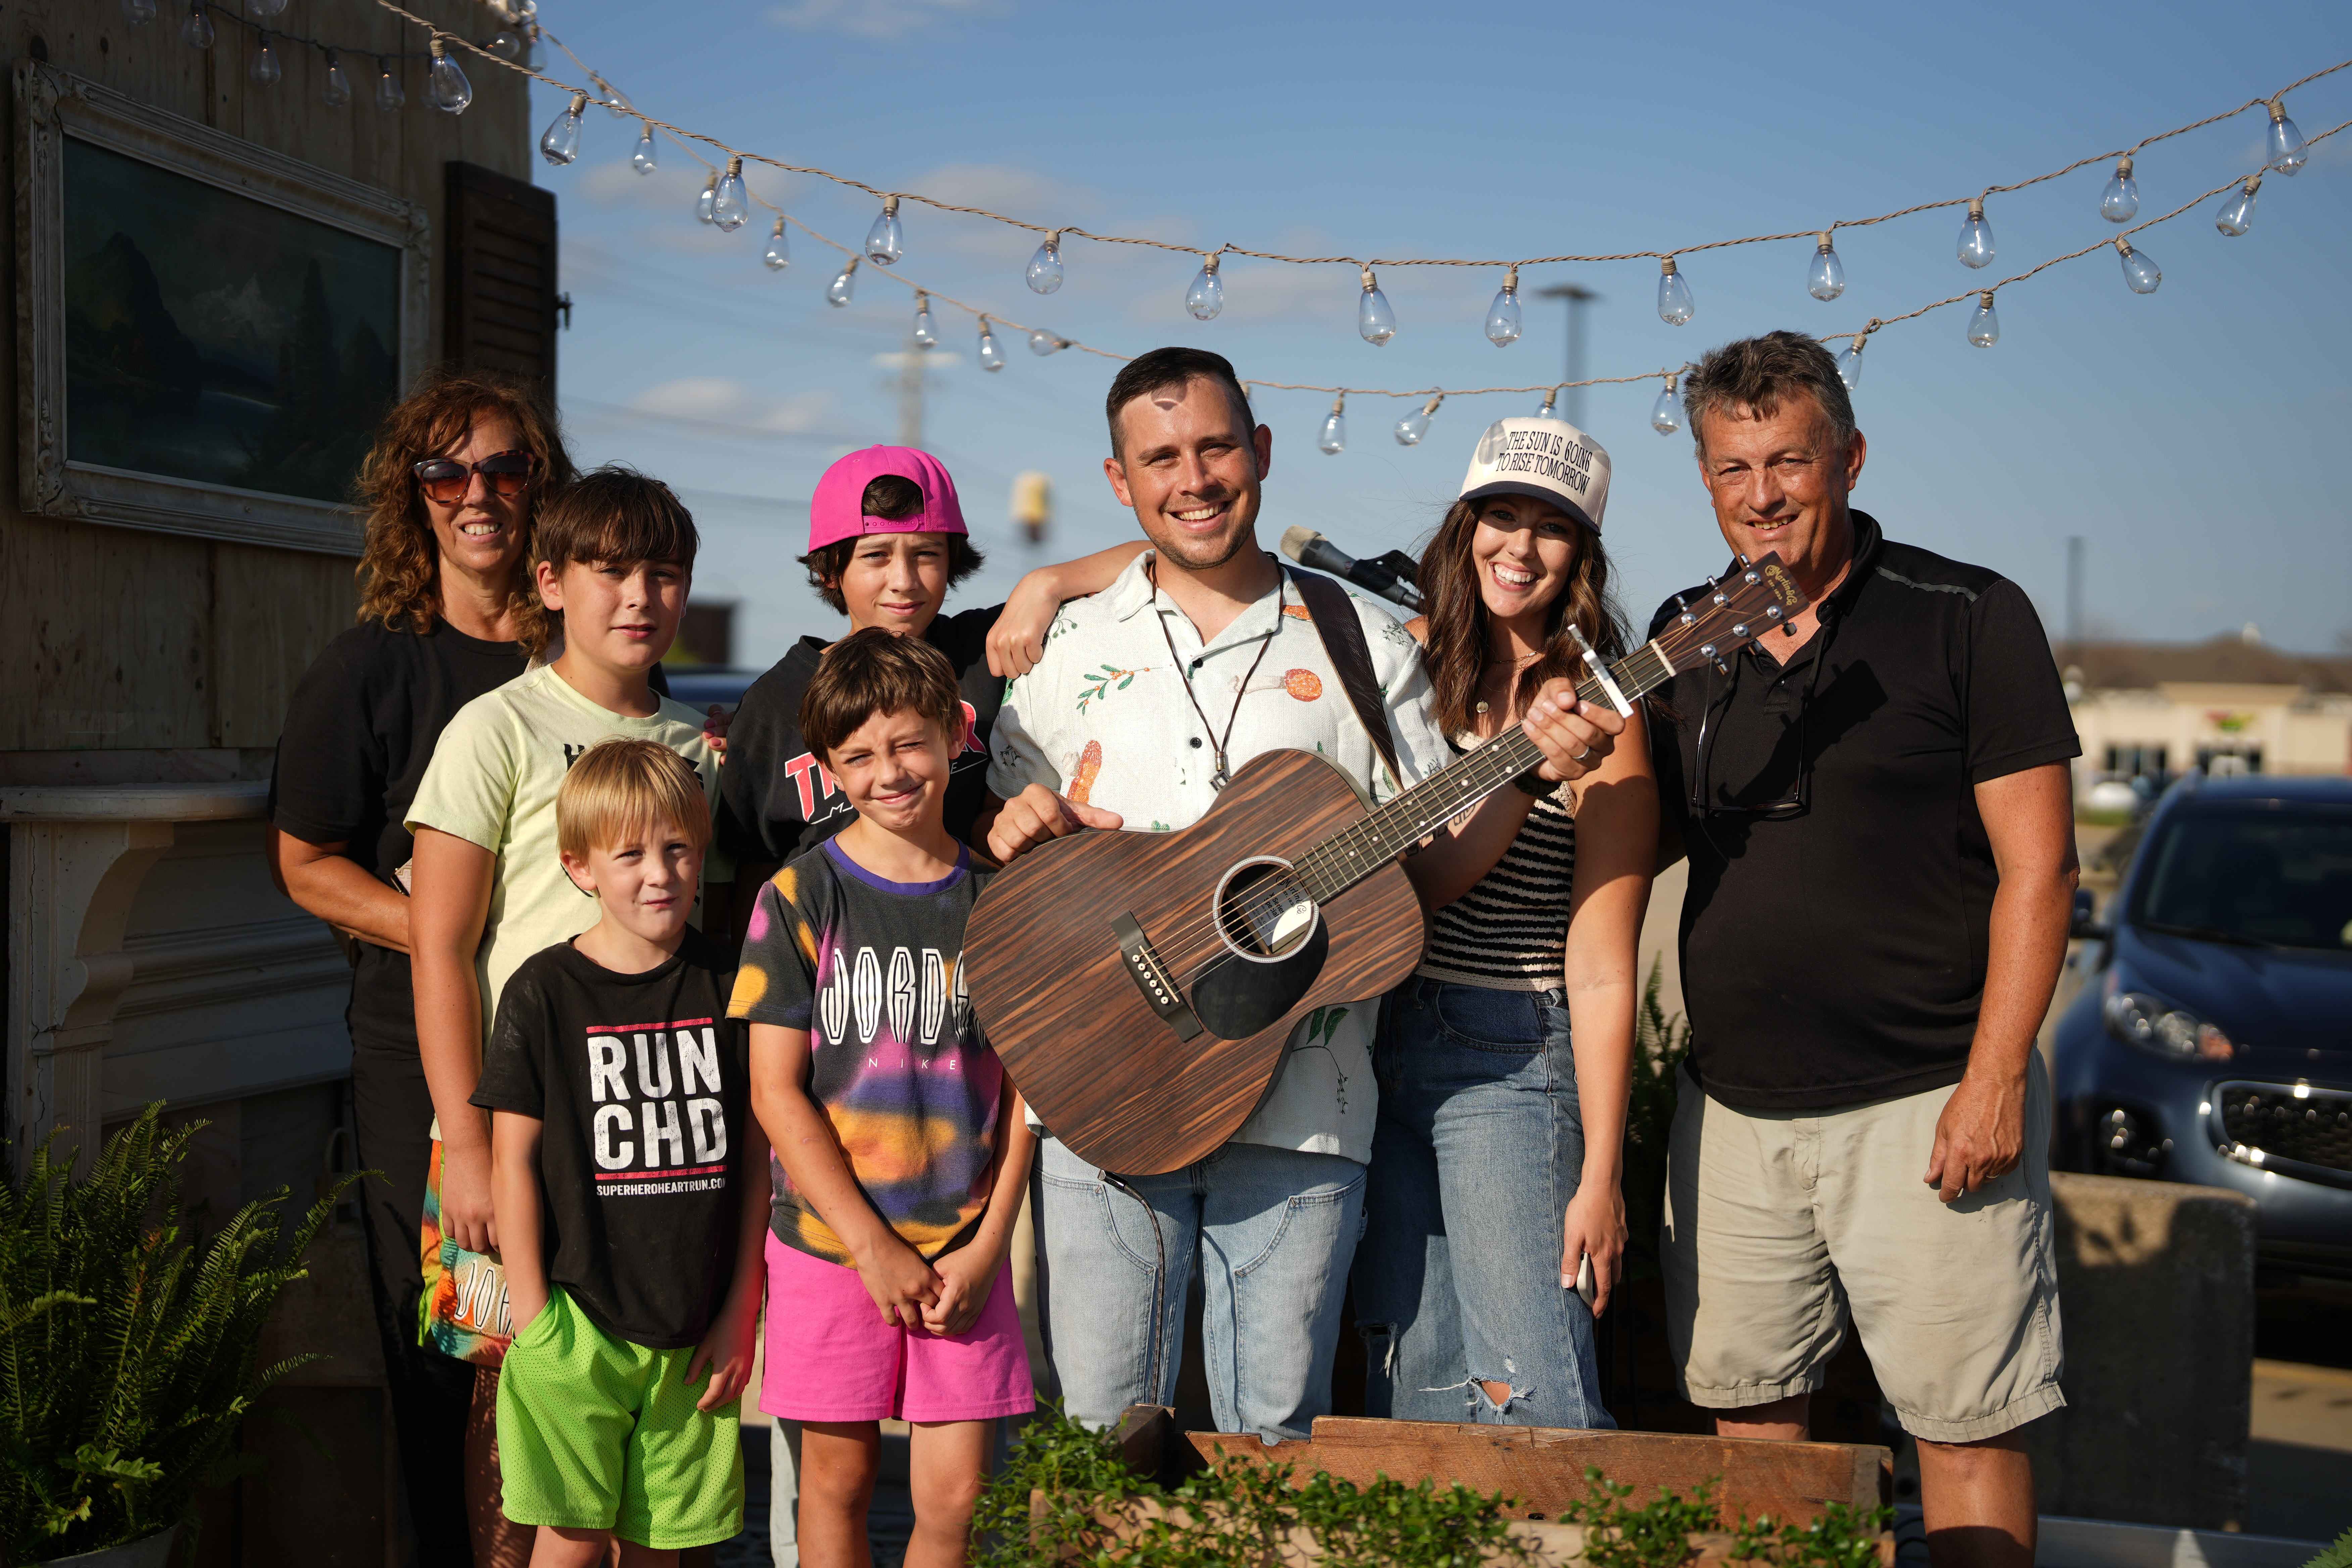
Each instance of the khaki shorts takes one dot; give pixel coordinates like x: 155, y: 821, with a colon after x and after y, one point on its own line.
x: 1777, y: 1224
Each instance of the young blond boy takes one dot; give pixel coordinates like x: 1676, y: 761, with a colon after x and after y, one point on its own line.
x: 626, y: 1176
x: 901, y: 1146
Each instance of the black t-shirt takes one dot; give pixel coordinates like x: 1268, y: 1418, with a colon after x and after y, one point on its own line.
x: 777, y: 800
x: 360, y: 728
x: 640, y: 1081
x: 1837, y: 955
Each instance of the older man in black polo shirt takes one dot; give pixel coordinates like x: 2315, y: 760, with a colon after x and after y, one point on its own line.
x: 1878, y: 815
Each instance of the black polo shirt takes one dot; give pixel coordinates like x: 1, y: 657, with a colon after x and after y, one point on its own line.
x: 1836, y: 953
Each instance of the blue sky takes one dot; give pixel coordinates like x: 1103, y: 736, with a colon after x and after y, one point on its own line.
x: 2185, y: 433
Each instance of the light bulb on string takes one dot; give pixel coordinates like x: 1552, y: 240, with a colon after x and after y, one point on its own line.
x: 2141, y: 274
x: 779, y: 254
x: 1849, y: 361
x: 1206, y: 296
x: 925, y: 332
x: 2237, y: 214
x: 617, y: 103
x: 1046, y: 267
x: 263, y: 70
x: 1984, y: 323
x: 337, y: 93
x: 992, y: 353
x: 2286, y: 144
x: 1976, y: 236
x: 642, y: 160
x: 884, y: 242
x: 1043, y: 343
x: 507, y: 45
x: 1666, y: 412
x: 2119, y: 203
x: 705, y: 205
x: 1503, y: 319
x: 389, y: 94
x: 196, y: 28
x: 138, y: 13
x: 1414, y: 425
x: 1375, y: 321
x: 446, y: 84
x: 1551, y: 395
x: 730, y: 203
x: 837, y: 293
x: 1675, y: 305
x: 559, y: 144
x: 1333, y: 439
x: 264, y: 10
x: 1825, y: 278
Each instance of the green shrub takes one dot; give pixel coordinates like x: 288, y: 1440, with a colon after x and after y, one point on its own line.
x: 126, y: 1355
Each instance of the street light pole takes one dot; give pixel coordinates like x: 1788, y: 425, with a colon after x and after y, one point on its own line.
x: 1578, y: 296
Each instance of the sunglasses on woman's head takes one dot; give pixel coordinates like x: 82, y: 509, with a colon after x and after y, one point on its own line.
x: 446, y: 480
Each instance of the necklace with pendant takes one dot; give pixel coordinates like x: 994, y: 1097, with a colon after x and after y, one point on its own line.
x: 1222, y: 776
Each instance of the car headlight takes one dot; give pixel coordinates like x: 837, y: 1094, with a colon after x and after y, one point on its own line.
x: 2151, y: 1023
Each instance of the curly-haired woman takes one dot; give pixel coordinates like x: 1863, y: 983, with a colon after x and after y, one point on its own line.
x: 450, y: 487
x: 1505, y: 1062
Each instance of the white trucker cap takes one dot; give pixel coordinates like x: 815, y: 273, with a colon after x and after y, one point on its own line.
x: 1548, y: 459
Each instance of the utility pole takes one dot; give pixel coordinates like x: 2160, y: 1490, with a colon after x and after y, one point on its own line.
x: 2074, y: 594
x: 1571, y: 407
x: 910, y: 395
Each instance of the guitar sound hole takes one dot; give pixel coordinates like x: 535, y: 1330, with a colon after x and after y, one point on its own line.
x: 1264, y: 913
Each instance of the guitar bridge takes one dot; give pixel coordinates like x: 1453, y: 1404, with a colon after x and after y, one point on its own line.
x: 1152, y: 978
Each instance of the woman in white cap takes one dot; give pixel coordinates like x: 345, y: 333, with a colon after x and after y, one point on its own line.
x: 1504, y: 1063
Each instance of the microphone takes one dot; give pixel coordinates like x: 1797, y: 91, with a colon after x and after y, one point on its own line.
x: 1391, y: 576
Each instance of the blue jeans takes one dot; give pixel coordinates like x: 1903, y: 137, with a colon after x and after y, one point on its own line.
x: 1477, y: 1152
x: 1273, y: 1231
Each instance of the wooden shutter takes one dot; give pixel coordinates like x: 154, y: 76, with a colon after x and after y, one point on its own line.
x: 500, y: 282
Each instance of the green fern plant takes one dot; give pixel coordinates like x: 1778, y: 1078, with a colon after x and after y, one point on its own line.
x: 126, y: 1350
x: 2338, y: 1555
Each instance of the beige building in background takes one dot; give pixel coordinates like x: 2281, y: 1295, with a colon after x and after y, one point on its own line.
x: 2231, y: 705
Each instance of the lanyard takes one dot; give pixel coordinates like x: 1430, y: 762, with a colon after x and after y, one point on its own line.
x: 1222, y: 775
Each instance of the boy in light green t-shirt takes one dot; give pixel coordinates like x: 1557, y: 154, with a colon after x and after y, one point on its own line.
x: 614, y: 555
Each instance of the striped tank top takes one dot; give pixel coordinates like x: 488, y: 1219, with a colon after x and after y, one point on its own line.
x: 1508, y: 933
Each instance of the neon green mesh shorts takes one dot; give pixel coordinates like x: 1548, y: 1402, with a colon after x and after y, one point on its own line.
x: 595, y: 1433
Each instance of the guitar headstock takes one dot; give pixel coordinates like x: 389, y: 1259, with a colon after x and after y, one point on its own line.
x: 1740, y: 609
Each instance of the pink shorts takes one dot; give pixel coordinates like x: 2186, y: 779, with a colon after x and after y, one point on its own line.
x: 830, y: 1357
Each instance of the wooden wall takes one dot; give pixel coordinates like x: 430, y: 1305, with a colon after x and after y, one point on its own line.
x: 122, y: 640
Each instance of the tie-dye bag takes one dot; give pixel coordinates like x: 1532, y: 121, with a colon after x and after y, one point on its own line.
x: 464, y: 1311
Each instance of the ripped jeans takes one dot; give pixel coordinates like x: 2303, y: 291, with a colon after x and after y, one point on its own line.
x: 1478, y: 1149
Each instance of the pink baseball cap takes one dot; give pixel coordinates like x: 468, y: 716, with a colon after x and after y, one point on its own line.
x: 837, y: 510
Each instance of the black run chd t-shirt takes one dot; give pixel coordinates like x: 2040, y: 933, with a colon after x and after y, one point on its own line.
x: 640, y: 1081
x: 1834, y: 936
x: 778, y: 800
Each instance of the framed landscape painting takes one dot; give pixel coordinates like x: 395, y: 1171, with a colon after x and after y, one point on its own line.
x: 208, y: 331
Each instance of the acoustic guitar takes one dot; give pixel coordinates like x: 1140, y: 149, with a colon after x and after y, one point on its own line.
x: 1140, y: 987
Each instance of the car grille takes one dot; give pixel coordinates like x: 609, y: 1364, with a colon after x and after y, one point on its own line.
x: 2313, y: 1128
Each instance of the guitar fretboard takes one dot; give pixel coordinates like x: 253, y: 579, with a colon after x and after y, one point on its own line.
x: 1388, y: 831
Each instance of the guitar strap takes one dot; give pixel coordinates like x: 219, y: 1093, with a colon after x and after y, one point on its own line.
x: 1335, y: 620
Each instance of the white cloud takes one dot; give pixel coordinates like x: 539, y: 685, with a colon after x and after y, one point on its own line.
x: 718, y: 400
x: 936, y: 358
x: 873, y: 18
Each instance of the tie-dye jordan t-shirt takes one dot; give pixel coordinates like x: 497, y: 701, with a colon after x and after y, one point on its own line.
x: 874, y: 971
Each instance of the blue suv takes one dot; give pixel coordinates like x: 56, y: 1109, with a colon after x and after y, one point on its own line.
x: 2212, y: 1039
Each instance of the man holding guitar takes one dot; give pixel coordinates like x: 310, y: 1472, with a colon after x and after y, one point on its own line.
x: 1148, y: 701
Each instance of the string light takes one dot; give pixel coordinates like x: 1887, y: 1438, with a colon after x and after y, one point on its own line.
x: 1046, y: 267
x: 1043, y: 343
x: 138, y: 13
x: 1825, y: 278
x: 1849, y: 362
x: 1503, y: 319
x: 2237, y: 214
x: 337, y: 91
x: 730, y: 203
x: 506, y: 45
x: 389, y: 94
x: 837, y: 293
x: 445, y: 84
x: 706, y: 205
x: 885, y: 244
x: 196, y: 28
x: 1976, y: 236
x: 1665, y: 414
x: 779, y: 254
x: 642, y: 160
x: 2119, y: 203
x: 559, y: 144
x: 1375, y: 321
x: 1206, y: 296
x: 264, y: 70
x: 1675, y: 305
x: 1984, y: 323
x: 2141, y: 273
x: 266, y: 10
x: 925, y: 332
x: 1551, y: 395
x: 992, y: 353
x: 1333, y: 440
x: 1413, y: 427
x: 2287, y: 148
x: 617, y: 103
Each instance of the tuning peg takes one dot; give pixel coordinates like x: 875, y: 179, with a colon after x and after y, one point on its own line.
x: 1741, y: 559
